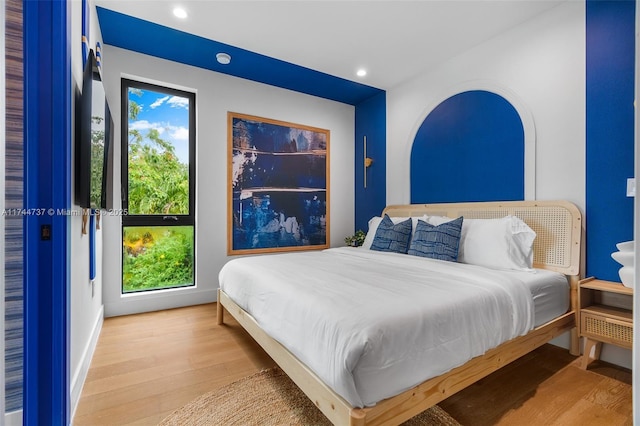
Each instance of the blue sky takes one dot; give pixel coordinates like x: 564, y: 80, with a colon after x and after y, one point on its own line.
x: 169, y: 115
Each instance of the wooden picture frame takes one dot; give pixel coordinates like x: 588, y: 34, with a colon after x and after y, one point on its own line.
x: 278, y: 186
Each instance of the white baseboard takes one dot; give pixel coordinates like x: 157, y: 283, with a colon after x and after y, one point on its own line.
x: 13, y: 418
x: 158, y: 300
x: 80, y: 375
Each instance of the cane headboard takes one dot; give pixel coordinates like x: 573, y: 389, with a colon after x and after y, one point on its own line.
x: 557, y: 224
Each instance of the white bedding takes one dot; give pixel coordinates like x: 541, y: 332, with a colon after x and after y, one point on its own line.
x: 550, y: 292
x: 373, y: 324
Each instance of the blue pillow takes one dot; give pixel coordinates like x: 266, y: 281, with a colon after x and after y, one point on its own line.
x: 390, y: 237
x: 437, y: 242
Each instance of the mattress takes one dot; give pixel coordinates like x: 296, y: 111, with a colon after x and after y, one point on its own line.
x: 371, y: 325
x: 550, y: 293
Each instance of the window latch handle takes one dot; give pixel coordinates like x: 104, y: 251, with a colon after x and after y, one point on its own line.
x: 174, y: 218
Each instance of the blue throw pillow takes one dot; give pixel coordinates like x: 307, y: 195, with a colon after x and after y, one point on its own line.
x: 437, y: 242
x: 390, y: 237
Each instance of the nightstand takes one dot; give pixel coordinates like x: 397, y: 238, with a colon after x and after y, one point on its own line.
x: 605, y: 316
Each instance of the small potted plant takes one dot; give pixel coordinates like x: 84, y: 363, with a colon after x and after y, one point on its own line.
x: 356, y: 239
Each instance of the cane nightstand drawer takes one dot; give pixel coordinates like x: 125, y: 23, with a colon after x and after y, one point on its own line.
x: 608, y: 325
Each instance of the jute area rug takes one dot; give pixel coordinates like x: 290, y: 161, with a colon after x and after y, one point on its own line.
x: 270, y: 398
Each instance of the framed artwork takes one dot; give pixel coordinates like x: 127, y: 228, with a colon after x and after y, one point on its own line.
x: 278, y: 186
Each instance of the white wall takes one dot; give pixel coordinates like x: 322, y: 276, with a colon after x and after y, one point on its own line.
x: 216, y: 94
x: 86, y: 297
x: 540, y: 67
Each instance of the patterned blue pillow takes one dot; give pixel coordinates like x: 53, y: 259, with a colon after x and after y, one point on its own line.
x: 437, y: 242
x: 390, y: 237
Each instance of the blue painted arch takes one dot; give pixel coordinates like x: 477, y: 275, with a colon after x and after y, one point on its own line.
x: 471, y: 147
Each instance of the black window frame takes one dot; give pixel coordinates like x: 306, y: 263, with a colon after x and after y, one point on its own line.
x: 150, y: 220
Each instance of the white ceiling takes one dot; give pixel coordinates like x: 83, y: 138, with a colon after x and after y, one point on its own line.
x: 394, y: 40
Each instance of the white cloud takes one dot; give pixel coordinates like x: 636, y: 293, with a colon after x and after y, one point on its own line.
x: 158, y: 102
x: 139, y: 125
x: 180, y: 133
x: 146, y: 125
x: 178, y: 102
x: 172, y: 101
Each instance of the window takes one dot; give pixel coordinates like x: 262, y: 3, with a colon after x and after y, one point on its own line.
x: 158, y: 187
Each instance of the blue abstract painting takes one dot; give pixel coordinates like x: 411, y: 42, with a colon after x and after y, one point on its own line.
x: 278, y: 185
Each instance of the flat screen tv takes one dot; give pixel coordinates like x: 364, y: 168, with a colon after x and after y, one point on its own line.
x: 94, y: 134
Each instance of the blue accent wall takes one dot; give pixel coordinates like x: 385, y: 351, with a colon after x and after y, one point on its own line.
x: 610, y: 57
x: 371, y: 119
x: 469, y: 148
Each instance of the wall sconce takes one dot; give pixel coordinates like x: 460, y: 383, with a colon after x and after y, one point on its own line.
x: 367, y: 161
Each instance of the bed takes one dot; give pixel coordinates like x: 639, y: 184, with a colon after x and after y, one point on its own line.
x: 365, y: 376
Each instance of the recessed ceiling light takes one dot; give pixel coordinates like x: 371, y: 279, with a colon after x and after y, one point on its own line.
x: 361, y: 72
x: 223, y: 58
x: 180, y: 13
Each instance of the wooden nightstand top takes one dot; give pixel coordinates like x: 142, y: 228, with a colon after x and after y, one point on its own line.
x: 602, y: 285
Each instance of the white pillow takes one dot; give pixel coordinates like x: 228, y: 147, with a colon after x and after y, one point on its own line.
x: 375, y: 221
x: 505, y: 243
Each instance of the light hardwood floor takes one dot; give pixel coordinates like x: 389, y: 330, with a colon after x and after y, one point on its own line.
x: 145, y: 366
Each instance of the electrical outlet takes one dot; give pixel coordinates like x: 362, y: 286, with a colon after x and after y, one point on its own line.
x: 631, y: 187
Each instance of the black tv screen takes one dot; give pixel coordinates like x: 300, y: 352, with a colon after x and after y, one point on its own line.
x: 94, y: 130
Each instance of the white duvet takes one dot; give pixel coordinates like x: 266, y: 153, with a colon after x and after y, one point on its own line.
x: 373, y: 324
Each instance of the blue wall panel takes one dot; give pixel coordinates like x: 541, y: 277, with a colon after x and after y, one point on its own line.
x: 371, y: 119
x: 469, y: 148
x: 47, y: 185
x: 610, y: 59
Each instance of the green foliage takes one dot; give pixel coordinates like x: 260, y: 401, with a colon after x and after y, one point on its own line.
x: 158, y: 181
x: 97, y: 159
x: 356, y: 239
x: 157, y: 257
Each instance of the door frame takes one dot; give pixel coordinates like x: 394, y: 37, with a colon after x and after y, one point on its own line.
x: 47, y: 185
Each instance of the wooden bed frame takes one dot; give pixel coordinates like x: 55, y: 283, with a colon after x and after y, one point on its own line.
x: 558, y: 226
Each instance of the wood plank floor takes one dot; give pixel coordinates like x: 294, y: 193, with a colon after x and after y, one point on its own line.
x: 145, y: 366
